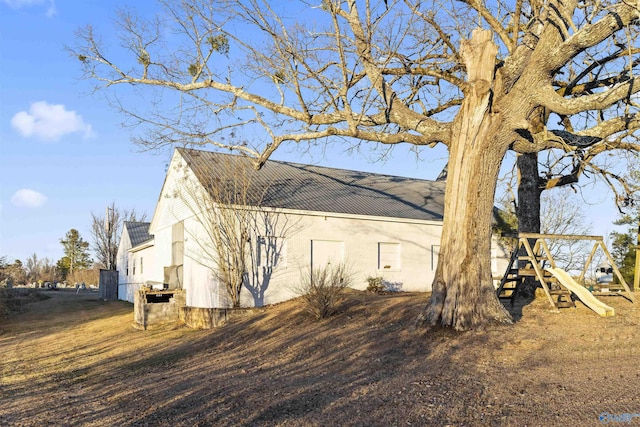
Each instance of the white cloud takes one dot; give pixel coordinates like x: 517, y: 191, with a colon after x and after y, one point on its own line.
x: 49, y: 122
x: 28, y: 198
x: 16, y: 4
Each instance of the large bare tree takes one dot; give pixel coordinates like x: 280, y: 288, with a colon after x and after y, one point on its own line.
x: 480, y: 77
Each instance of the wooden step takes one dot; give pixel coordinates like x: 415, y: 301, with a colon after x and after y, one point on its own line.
x: 563, y: 298
x: 527, y: 272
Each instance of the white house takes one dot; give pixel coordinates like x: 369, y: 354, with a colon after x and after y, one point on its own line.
x: 135, y: 254
x: 305, y: 217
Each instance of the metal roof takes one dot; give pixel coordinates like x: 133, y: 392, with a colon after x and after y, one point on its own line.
x: 321, y: 189
x: 138, y: 232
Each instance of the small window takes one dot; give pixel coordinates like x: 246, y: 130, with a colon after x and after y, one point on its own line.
x: 271, y: 251
x: 134, y: 266
x: 388, y: 256
x: 141, y: 265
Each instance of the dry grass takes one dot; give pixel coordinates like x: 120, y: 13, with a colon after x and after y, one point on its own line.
x: 75, y: 361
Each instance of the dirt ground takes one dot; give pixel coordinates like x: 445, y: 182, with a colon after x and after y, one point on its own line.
x: 73, y: 360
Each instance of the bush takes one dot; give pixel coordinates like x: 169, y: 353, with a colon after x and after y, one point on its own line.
x: 379, y: 285
x: 323, y: 288
x: 376, y: 284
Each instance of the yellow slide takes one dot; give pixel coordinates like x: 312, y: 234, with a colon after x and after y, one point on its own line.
x: 581, y: 292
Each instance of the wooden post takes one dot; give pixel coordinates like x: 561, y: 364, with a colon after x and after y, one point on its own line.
x: 616, y: 271
x: 636, y: 273
x: 539, y: 274
x: 599, y: 242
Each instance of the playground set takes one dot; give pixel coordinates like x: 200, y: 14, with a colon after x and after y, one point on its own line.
x: 532, y: 258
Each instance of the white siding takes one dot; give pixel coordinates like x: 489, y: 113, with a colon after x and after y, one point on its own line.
x: 136, y: 278
x: 367, y: 244
x: 499, y: 261
x: 122, y: 257
x: 175, y: 203
x: 356, y: 241
x: 326, y: 252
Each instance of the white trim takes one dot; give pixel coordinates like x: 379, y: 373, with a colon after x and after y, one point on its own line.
x: 362, y: 217
x: 141, y: 246
x: 340, y: 215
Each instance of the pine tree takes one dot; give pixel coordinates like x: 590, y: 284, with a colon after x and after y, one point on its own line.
x: 76, y: 251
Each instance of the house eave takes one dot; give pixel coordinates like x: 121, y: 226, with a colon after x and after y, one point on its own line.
x: 341, y: 215
x: 141, y: 246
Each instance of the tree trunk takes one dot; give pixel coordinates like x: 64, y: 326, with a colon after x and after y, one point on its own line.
x: 463, y: 295
x: 528, y: 194
x: 528, y: 211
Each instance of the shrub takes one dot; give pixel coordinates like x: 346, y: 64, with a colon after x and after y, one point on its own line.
x: 323, y: 288
x: 376, y: 284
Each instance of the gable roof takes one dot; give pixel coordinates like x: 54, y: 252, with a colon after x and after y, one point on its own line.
x: 138, y: 232
x: 297, y: 186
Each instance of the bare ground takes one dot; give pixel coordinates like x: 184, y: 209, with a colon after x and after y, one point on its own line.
x: 73, y: 360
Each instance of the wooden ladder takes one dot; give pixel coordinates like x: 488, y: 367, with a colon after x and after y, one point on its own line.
x: 535, y: 258
x: 510, y: 281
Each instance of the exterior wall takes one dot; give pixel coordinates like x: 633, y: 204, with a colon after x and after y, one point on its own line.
x: 140, y: 269
x: 499, y: 261
x: 360, y: 239
x: 203, y: 290
x: 123, y: 256
x: 174, y: 201
x: 416, y: 244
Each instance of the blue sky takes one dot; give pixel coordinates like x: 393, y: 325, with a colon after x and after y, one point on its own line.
x: 64, y: 153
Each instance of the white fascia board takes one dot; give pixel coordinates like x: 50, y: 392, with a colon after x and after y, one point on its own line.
x: 341, y: 215
x: 143, y: 245
x: 366, y: 217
